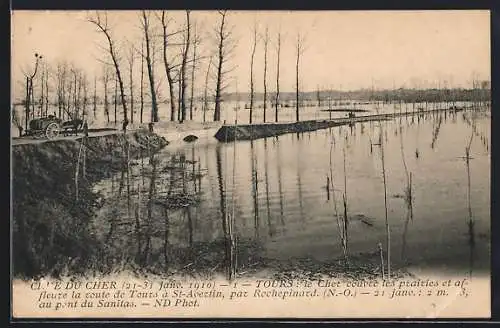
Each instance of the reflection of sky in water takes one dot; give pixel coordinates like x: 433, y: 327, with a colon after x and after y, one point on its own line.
x: 294, y: 218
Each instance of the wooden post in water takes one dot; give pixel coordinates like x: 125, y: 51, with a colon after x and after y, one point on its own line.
x: 346, y: 218
x: 255, y: 190
x: 327, y: 187
x: 382, y: 264
x: 387, y: 226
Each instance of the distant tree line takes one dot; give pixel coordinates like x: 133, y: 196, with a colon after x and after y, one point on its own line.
x: 406, y: 95
x: 430, y: 95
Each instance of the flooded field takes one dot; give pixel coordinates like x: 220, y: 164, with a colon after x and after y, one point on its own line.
x: 278, y: 200
x: 232, y: 111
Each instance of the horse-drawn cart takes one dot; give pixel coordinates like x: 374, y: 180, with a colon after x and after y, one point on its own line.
x: 51, y: 126
x: 48, y: 127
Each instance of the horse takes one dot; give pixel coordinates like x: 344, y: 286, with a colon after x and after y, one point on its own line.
x: 72, y: 126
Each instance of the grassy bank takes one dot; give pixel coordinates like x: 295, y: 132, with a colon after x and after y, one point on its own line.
x: 53, y: 201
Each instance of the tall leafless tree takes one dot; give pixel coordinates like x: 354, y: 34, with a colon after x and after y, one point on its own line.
x: 84, y: 87
x: 94, y: 101
x: 318, y: 96
x: 205, y: 93
x: 168, y: 65
x: 252, y: 58
x: 27, y: 103
x: 30, y: 97
x: 76, y: 100
x: 102, y: 26
x: 32, y: 101
x: 61, y: 72
x: 223, y: 35
x: 266, y: 42
x: 183, y: 83
x: 69, y: 89
x: 105, y: 82
x: 196, y: 41
x: 131, y: 60
x: 300, y: 50
x: 277, y: 100
x: 47, y: 74
x: 42, y: 89
x: 147, y: 38
x: 142, y: 80
x: 178, y: 78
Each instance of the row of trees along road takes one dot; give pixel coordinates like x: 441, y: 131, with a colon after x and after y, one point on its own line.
x: 70, y: 90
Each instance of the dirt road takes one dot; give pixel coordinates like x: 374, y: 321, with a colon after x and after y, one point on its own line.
x: 32, y: 140
x: 171, y: 130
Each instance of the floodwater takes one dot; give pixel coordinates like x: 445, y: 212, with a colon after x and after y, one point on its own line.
x: 235, y: 111
x: 170, y: 207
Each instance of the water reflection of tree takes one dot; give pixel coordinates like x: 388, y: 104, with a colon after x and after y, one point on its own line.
x: 151, y: 197
x: 167, y: 183
x: 470, y: 222
x: 299, y: 180
x: 280, y: 183
x: 435, y: 132
x: 127, y: 157
x: 227, y: 221
x: 408, y: 192
x: 387, y: 225
x: 210, y: 176
x: 255, y: 189
x: 124, y: 166
x: 193, y: 169
x: 341, y: 220
x: 266, y: 173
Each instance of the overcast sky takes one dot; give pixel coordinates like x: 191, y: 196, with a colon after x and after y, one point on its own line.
x: 343, y: 49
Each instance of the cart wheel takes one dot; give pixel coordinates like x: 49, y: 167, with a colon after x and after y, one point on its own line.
x: 52, y: 130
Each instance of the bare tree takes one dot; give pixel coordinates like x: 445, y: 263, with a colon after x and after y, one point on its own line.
x: 30, y: 97
x: 205, y: 94
x: 168, y: 66
x: 178, y: 78
x: 27, y: 102
x: 131, y: 58
x: 300, y: 50
x: 103, y: 27
x: 142, y: 80
x: 80, y: 92
x: 105, y: 82
x: 69, y: 89
x: 84, y: 86
x: 277, y: 100
x: 61, y: 86
x: 266, y: 41
x: 76, y: 104
x: 42, y: 88
x: 94, y: 107
x: 145, y: 26
x: 183, y: 83
x: 223, y: 34
x: 318, y: 96
x: 32, y: 101
x: 196, y: 41
x: 252, y: 58
x: 47, y: 74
